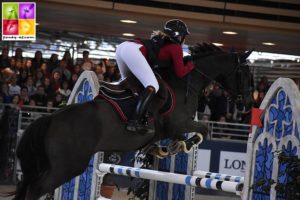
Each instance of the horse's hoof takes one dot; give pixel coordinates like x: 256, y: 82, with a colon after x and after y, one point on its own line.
x: 162, y: 152
x: 175, y: 147
x: 188, y: 144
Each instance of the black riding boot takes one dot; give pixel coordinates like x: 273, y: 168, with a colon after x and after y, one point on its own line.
x: 136, y: 124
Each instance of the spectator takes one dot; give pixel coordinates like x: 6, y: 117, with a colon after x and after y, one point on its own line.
x: 55, y: 80
x: 50, y: 107
x: 40, y: 97
x: 13, y: 87
x: 58, y: 101
x: 15, y: 103
x: 24, y: 97
x: 19, y: 55
x: 48, y: 88
x: 87, y: 63
x: 263, y: 85
x: 62, y: 69
x: 28, y: 67
x: 30, y: 86
x: 99, y: 72
x: 68, y: 60
x: 4, y: 60
x: 77, y: 69
x: 45, y: 71
x: 111, y: 73
x: 64, y: 90
x: 53, y: 63
x: 22, y: 78
x: 39, y: 78
x: 5, y: 94
x: 73, y: 80
x: 38, y: 60
x: 218, y: 103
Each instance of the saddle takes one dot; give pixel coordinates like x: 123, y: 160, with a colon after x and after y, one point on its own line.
x: 123, y: 96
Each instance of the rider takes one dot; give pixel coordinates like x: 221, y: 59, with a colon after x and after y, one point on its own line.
x: 140, y: 56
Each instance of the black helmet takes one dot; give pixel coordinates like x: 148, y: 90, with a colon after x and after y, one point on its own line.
x: 175, y: 28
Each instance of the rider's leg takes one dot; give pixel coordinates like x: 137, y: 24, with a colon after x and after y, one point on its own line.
x: 141, y: 109
x: 130, y: 54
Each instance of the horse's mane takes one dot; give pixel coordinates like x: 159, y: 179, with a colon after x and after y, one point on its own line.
x: 204, y: 49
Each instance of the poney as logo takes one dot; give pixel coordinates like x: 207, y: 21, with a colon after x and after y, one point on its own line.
x: 18, y: 21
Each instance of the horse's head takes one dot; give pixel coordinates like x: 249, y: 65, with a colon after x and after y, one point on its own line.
x: 228, y: 70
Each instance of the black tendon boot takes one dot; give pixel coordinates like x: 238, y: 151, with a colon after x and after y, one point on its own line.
x: 137, y: 123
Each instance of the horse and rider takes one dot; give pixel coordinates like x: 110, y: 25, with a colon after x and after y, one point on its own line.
x: 58, y: 147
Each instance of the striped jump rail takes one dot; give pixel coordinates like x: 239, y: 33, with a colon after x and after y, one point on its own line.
x: 195, y: 181
x: 218, y: 176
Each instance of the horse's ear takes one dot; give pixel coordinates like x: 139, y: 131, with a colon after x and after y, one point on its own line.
x: 245, y: 55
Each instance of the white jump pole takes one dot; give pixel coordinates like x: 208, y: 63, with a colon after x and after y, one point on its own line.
x: 227, y: 186
x: 218, y: 176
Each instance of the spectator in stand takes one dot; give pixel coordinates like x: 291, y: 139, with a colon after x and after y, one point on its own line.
x: 4, y: 59
x: 45, y: 71
x: 62, y: 69
x: 48, y: 88
x: 87, y: 63
x: 64, y: 90
x: 55, y: 80
x: 218, y: 103
x: 22, y: 78
x: 28, y: 67
x: 30, y: 86
x: 19, y: 55
x: 40, y: 97
x: 99, y: 72
x: 12, y: 64
x: 73, y: 80
x: 77, y: 69
x: 39, y: 78
x: 7, y: 74
x: 38, y: 60
x: 5, y: 94
x: 50, y: 107
x: 53, y: 63
x: 24, y: 97
x: 111, y: 73
x: 18, y: 67
x: 15, y: 103
x: 58, y: 101
x: 263, y: 85
x: 68, y: 59
x: 13, y: 88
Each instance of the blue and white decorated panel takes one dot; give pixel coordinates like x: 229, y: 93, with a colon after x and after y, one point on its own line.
x: 278, y: 136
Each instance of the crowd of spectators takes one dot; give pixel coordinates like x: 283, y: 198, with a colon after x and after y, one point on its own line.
x: 215, y: 104
x: 46, y: 82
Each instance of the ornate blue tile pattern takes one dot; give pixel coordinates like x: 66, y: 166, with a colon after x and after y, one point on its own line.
x: 84, y: 94
x: 279, y: 123
x: 280, y: 116
x: 282, y: 178
x: 263, y: 170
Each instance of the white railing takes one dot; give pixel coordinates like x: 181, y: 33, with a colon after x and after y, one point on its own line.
x: 226, y: 130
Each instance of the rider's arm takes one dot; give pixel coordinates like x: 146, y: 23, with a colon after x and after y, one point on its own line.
x: 180, y: 68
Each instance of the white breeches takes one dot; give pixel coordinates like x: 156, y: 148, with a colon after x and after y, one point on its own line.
x: 130, y: 59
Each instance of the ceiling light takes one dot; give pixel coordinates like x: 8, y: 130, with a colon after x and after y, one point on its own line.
x: 230, y: 32
x: 128, y: 34
x: 218, y: 44
x: 127, y: 21
x: 269, y: 43
x: 37, y: 24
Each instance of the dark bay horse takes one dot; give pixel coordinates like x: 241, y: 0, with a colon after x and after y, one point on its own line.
x: 58, y: 147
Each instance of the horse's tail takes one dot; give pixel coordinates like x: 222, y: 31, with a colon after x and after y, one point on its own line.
x: 32, y: 155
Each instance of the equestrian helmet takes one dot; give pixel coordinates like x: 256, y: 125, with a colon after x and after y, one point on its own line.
x: 175, y: 28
